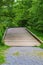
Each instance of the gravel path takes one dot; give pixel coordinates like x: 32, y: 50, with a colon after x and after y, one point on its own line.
x: 20, y: 37
x: 24, y: 56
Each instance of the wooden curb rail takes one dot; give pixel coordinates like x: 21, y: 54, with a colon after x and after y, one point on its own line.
x: 34, y: 35
x: 4, y: 34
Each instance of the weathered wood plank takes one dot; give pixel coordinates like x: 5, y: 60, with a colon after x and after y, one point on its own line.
x: 20, y: 37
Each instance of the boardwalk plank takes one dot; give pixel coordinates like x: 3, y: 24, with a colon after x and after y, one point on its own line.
x: 20, y: 37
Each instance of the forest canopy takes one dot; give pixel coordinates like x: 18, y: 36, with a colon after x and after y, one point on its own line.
x: 22, y: 13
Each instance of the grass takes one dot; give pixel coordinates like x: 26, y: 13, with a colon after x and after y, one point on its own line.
x: 41, y: 46
x: 38, y: 34
x: 2, y: 56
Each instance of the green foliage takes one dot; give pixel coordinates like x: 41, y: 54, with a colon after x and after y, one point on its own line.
x: 2, y: 56
x: 2, y: 29
x: 0, y: 37
x: 41, y: 45
x: 36, y: 15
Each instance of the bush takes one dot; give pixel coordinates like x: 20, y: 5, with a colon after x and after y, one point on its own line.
x: 41, y: 46
x: 0, y: 37
x: 2, y: 29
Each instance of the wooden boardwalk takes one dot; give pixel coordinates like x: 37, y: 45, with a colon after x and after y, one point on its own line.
x: 19, y: 37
